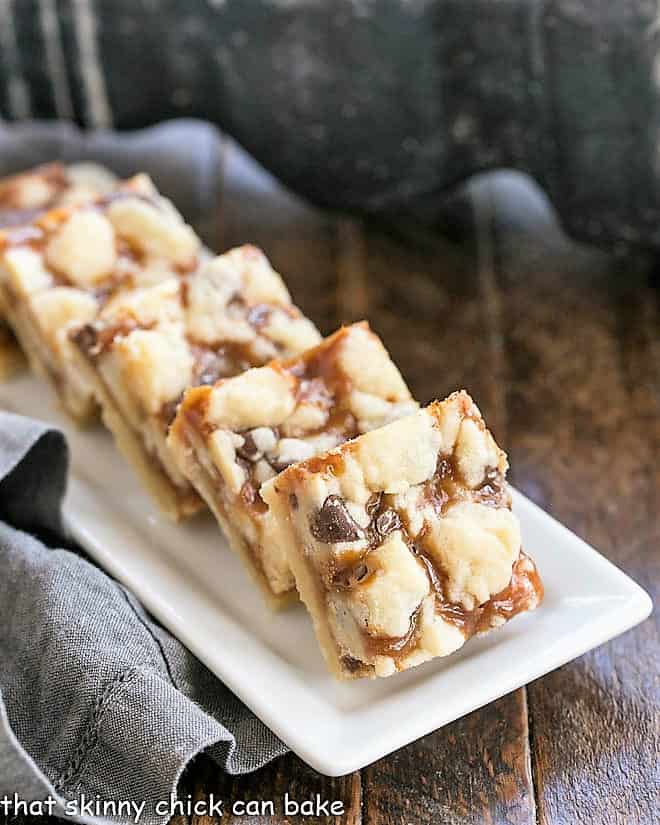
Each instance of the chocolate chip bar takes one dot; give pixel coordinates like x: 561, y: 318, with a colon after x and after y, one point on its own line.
x: 26, y: 195
x: 149, y: 344
x: 59, y: 270
x: 402, y: 541
x: 231, y: 438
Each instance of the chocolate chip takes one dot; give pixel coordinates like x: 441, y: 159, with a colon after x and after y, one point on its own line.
x: 248, y: 448
x: 168, y: 410
x: 86, y: 338
x: 333, y: 523
x: 491, y: 489
x: 360, y: 572
x: 347, y: 577
x: 444, y: 468
x: 388, y: 521
x: 351, y: 664
x: 252, y: 498
x: 278, y: 466
x: 373, y: 504
x: 293, y: 501
x: 245, y: 465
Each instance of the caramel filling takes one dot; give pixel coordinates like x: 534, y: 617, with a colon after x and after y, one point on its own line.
x: 334, y: 524
x: 318, y: 381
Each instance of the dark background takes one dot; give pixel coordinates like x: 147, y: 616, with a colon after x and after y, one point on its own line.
x: 376, y: 106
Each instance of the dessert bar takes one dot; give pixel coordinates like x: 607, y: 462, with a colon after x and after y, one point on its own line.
x: 149, y: 344
x: 60, y: 269
x: 232, y: 437
x: 402, y: 541
x: 22, y: 197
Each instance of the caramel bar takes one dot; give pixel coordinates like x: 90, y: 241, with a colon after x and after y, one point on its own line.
x: 62, y: 268
x: 148, y: 345
x: 402, y: 541
x: 23, y: 197
x: 231, y: 438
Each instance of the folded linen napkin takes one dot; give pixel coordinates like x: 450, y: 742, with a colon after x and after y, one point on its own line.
x: 97, y: 701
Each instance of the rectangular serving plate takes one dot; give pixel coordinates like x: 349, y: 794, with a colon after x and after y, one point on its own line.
x: 186, y: 576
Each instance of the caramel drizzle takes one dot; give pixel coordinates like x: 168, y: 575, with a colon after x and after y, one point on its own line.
x: 446, y: 487
x: 321, y: 381
x: 524, y: 588
x: 356, y: 570
x: 396, y: 648
x: 318, y: 380
x: 211, y: 362
x: 96, y: 339
x: 513, y: 599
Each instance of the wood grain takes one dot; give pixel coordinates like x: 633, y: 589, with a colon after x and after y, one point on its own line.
x: 581, y: 345
x: 473, y: 771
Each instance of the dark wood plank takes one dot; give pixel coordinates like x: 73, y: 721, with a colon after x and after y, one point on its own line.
x: 581, y: 344
x: 424, y: 302
x: 471, y: 772
x: 437, y: 307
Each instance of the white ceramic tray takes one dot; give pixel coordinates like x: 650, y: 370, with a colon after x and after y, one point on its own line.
x: 187, y: 577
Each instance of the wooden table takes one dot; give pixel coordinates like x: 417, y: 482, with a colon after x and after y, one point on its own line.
x: 560, y: 346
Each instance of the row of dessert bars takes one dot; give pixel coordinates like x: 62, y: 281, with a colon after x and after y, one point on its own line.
x: 393, y: 523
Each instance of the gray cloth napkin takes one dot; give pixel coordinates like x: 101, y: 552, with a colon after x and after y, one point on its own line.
x: 96, y: 699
